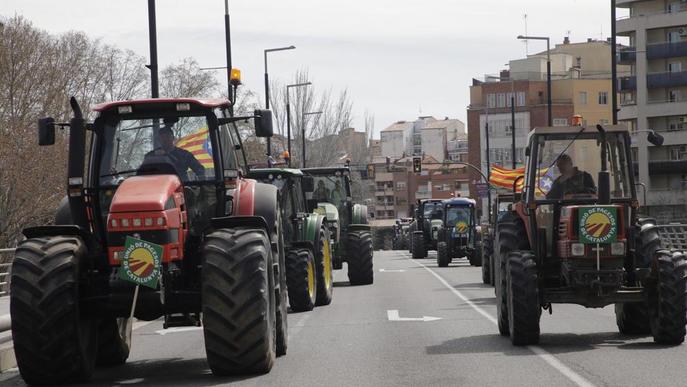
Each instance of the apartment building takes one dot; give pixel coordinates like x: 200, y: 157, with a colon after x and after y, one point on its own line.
x: 653, y: 95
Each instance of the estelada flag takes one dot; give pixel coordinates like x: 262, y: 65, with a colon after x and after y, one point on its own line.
x: 199, y: 144
x: 504, y: 178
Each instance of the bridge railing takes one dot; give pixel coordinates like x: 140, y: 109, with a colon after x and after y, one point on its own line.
x: 6, y: 256
x: 673, y: 236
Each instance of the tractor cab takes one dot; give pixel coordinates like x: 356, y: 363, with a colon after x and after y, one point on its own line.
x: 425, y: 226
x: 572, y: 174
x: 333, y: 186
x: 458, y: 233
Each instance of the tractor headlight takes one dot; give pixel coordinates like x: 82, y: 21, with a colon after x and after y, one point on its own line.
x: 618, y: 248
x: 114, y: 223
x: 125, y: 222
x: 577, y: 249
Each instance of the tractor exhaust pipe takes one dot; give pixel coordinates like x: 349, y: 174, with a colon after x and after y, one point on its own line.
x: 604, y: 177
x: 75, y: 167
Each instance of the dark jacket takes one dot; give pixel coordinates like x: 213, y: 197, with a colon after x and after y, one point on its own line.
x: 183, y: 160
x: 580, y: 182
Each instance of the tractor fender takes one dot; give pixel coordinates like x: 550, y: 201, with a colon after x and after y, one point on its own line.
x: 311, y: 229
x: 63, y: 215
x: 359, y: 214
x: 521, y: 212
x: 254, y: 199
x: 359, y: 227
x: 47, y: 231
x: 239, y: 221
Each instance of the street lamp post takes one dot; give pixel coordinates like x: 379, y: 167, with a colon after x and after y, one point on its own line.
x: 288, y: 115
x: 267, y: 88
x: 614, y: 63
x: 548, y: 71
x: 303, y: 133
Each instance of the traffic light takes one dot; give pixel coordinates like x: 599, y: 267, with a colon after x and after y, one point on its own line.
x: 417, y: 164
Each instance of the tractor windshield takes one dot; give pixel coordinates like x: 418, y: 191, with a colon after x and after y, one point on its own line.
x: 181, y: 142
x: 458, y: 217
x: 429, y: 208
x: 331, y: 189
x: 568, y: 166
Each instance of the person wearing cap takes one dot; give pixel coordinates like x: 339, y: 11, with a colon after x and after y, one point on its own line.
x: 182, y: 159
x: 571, y: 180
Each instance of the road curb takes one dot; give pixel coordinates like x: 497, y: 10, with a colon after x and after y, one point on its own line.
x: 7, y: 359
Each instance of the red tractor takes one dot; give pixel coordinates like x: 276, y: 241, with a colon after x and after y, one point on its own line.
x: 222, y: 261
x: 574, y: 236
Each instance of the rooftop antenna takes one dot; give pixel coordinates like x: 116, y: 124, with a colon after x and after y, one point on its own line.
x: 527, y: 51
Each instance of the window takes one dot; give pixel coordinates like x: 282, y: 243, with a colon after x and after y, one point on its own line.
x: 509, y: 98
x: 674, y: 95
x: 673, y: 7
x: 491, y: 100
x: 400, y: 185
x: 521, y: 98
x: 635, y: 154
x: 603, y: 122
x: 560, y: 122
x: 678, y: 152
x: 501, y: 100
x: 673, y: 37
x: 583, y: 97
x: 603, y: 98
x: 675, y: 67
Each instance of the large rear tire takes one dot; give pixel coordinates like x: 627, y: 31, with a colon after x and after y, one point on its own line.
x: 667, y: 298
x: 53, y: 342
x: 277, y: 241
x: 475, y: 257
x: 524, y: 310
x: 239, y: 306
x: 443, y: 258
x: 301, y: 279
x: 359, y: 251
x: 419, y: 249
x: 114, y: 341
x: 325, y: 268
x: 510, y: 232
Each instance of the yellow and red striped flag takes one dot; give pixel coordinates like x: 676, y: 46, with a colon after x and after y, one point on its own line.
x: 504, y: 178
x: 199, y: 145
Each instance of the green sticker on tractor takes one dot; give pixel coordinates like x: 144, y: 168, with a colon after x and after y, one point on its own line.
x: 141, y: 262
x: 598, y: 224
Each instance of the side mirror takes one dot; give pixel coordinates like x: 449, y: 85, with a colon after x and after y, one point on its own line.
x: 655, y: 138
x: 263, y: 123
x: 46, y: 131
x: 308, y: 184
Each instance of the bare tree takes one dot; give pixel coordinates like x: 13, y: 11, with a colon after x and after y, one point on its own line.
x: 186, y: 79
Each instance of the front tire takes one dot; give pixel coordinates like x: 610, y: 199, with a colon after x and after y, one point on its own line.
x: 301, y: 279
x: 510, y: 232
x: 325, y: 269
x: 667, y: 298
x: 114, y: 341
x: 53, y: 342
x: 359, y: 251
x: 524, y: 310
x: 239, y: 309
x: 419, y: 249
x: 443, y: 258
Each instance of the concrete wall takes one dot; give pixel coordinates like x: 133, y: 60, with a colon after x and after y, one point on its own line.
x: 434, y: 143
x: 393, y: 143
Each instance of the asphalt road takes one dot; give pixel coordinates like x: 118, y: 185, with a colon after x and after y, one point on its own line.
x: 451, y: 339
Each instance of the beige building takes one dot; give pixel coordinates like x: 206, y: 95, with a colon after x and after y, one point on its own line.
x: 654, y: 96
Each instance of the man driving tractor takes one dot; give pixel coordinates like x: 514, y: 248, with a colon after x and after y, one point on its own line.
x: 182, y: 159
x: 571, y: 180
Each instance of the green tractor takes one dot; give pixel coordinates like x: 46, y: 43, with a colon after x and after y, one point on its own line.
x: 306, y: 238
x: 424, y: 229
x: 458, y: 234
x: 347, y: 222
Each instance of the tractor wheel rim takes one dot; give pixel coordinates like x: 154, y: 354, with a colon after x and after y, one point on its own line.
x: 327, y: 260
x: 311, y: 280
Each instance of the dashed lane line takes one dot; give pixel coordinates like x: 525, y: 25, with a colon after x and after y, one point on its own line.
x: 551, y: 360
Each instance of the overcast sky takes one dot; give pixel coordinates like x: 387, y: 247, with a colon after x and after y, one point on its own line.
x: 396, y: 57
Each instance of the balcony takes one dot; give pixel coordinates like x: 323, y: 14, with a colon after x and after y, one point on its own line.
x: 669, y: 79
x: 666, y: 50
x: 664, y: 167
x: 627, y: 55
x: 627, y: 83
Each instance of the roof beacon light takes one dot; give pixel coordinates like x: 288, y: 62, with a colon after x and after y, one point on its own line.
x: 183, y: 107
x: 235, y: 77
x: 125, y: 109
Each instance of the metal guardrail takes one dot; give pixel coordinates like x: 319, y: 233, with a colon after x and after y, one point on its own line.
x: 5, y: 273
x: 673, y: 236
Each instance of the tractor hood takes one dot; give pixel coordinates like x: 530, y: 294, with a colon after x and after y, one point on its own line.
x: 329, y: 210
x: 144, y: 193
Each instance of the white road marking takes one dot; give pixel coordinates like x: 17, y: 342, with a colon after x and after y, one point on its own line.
x: 392, y: 270
x: 551, y: 360
x: 163, y: 332
x: 393, y: 315
x: 294, y: 329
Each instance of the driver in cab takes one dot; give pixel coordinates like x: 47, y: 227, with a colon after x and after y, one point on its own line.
x: 571, y: 180
x: 182, y: 159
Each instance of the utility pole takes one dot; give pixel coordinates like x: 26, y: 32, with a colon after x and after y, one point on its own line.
x: 227, y: 39
x: 512, y: 129
x: 614, y: 66
x: 152, y: 35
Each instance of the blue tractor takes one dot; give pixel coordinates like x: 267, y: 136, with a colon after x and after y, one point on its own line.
x: 458, y: 235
